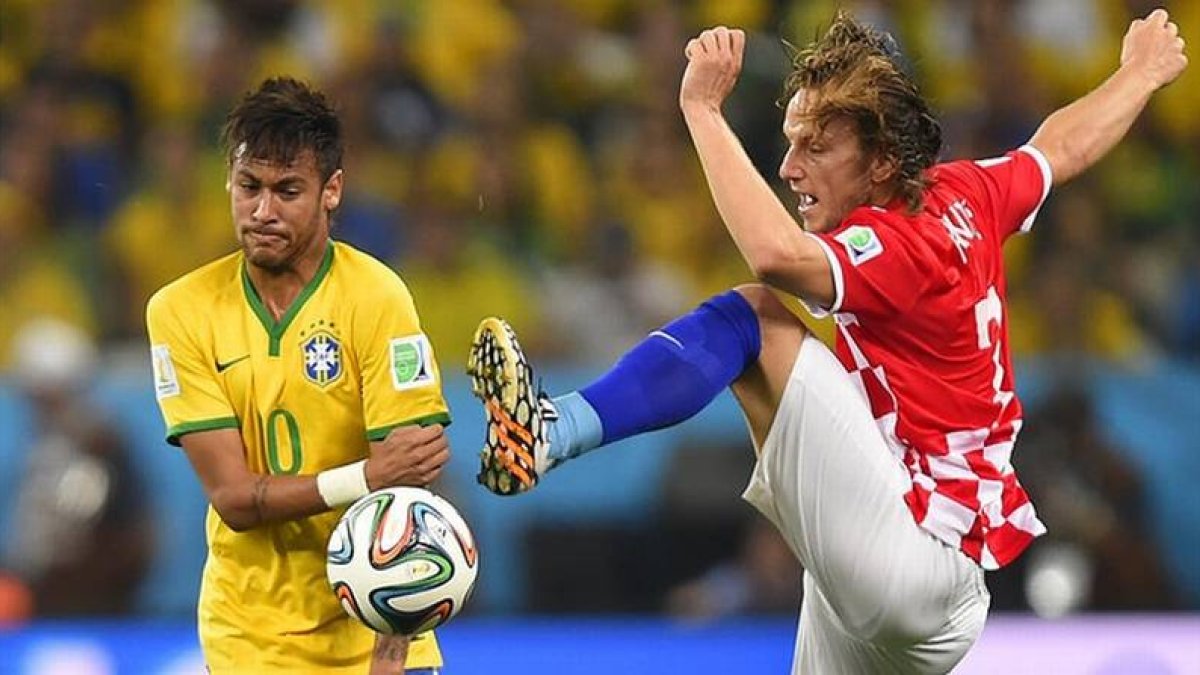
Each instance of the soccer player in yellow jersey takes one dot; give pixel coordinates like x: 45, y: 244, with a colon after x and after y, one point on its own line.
x: 295, y: 376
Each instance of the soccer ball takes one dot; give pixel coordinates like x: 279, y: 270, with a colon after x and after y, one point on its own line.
x: 402, y: 560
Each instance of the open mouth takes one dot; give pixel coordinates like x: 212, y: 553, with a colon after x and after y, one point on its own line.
x: 806, y: 203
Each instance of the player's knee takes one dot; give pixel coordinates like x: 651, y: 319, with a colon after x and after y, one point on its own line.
x: 760, y: 297
x: 773, y: 315
x: 760, y: 388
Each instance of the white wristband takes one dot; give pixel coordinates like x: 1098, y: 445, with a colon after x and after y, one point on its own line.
x: 343, y: 484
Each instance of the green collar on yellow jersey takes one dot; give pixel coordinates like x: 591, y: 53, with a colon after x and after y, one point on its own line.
x: 276, y: 329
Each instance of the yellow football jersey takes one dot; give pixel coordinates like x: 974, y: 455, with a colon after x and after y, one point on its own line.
x: 344, y: 365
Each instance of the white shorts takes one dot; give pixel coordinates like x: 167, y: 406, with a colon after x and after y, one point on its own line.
x: 881, y: 595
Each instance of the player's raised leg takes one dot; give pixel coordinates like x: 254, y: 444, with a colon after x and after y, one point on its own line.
x: 759, y: 389
x: 665, y: 379
x: 889, y: 597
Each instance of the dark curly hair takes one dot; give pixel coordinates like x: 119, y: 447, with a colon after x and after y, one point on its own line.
x: 280, y: 120
x: 855, y: 72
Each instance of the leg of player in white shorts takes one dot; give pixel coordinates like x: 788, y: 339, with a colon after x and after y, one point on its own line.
x: 881, y: 595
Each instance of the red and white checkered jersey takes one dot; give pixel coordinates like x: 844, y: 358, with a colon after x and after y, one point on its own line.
x: 922, y: 329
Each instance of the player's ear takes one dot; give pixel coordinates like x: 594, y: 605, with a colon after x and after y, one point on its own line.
x: 331, y: 196
x: 883, y: 168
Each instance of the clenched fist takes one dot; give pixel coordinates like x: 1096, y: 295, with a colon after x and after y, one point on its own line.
x: 1154, y: 48
x: 714, y: 63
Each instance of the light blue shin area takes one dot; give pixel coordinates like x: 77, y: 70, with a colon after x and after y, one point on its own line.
x: 1153, y: 415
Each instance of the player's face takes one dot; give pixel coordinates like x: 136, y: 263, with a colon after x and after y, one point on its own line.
x: 827, y: 168
x: 281, y: 213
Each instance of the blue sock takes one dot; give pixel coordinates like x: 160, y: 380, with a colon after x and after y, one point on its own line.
x: 665, y: 379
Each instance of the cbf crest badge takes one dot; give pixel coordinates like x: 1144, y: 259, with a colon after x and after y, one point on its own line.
x: 322, y: 355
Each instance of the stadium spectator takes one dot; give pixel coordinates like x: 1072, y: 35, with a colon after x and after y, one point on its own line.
x: 893, y: 485
x: 460, y: 275
x: 1092, y: 499
x: 36, y: 278
x: 82, y: 538
x: 173, y: 221
x: 1070, y: 307
x: 604, y: 304
x: 1185, y: 332
x: 763, y: 578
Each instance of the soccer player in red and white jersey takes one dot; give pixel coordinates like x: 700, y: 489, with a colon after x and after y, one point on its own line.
x: 886, y: 468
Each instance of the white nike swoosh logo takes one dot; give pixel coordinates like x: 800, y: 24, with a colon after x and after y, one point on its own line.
x: 661, y: 334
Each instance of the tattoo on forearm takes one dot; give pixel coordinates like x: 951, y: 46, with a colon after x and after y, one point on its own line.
x: 391, y: 648
x: 260, y: 497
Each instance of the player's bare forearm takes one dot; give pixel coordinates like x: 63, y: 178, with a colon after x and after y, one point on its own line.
x: 771, y: 241
x: 391, y: 651
x: 1077, y: 136
x: 279, y: 498
x: 768, y: 237
x: 263, y: 499
x: 245, y: 499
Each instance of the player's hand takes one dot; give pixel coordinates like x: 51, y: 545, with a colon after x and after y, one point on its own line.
x: 714, y: 62
x: 1153, y: 46
x: 410, y: 455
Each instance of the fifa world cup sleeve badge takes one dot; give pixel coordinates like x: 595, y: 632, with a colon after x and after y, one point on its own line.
x: 166, y: 382
x: 411, y: 361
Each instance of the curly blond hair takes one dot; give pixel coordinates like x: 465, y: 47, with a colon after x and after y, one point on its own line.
x: 855, y: 72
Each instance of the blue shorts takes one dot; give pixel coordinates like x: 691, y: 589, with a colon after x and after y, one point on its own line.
x: 424, y: 671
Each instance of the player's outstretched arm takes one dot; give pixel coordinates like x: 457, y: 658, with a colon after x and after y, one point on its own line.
x: 245, y: 499
x: 765, y: 232
x: 1075, y: 137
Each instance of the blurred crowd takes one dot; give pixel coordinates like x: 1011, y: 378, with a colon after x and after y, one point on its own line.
x: 501, y: 150
x: 526, y: 158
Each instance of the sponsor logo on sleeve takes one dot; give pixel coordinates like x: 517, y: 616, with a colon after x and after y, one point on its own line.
x: 412, y: 364
x: 166, y: 382
x: 861, y: 243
